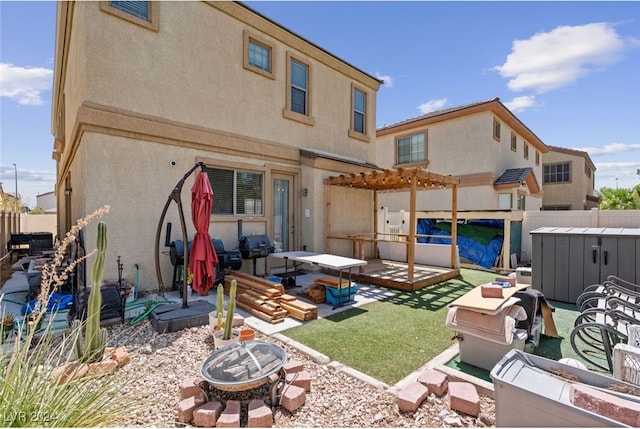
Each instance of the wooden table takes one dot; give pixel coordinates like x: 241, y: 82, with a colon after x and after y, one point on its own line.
x: 334, y: 262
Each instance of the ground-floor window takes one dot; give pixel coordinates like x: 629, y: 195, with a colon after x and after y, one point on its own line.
x: 236, y: 192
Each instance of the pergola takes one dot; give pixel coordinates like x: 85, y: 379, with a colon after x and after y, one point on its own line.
x: 413, y: 179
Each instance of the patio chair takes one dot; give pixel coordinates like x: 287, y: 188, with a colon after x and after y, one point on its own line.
x: 613, y: 286
x: 597, y: 330
x: 626, y: 358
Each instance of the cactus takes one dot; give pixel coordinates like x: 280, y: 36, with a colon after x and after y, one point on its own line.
x: 95, y: 338
x: 220, y: 306
x: 231, y: 308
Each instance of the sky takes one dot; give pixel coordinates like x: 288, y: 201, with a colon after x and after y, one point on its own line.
x: 570, y: 71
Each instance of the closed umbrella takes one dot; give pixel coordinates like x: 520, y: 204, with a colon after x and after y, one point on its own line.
x: 203, y: 258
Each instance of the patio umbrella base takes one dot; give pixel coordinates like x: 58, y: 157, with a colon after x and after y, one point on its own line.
x: 173, y: 317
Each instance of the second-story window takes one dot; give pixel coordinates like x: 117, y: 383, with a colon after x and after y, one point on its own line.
x: 298, y: 99
x: 411, y: 149
x: 359, y: 111
x: 537, y: 158
x: 514, y: 141
x: 587, y: 170
x: 258, y: 55
x: 143, y: 13
x: 496, y: 129
x: 299, y: 81
x: 556, y: 173
x: 526, y: 150
x: 139, y: 9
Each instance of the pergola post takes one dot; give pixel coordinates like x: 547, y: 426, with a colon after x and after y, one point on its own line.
x: 328, y: 232
x: 454, y: 224
x: 411, y: 245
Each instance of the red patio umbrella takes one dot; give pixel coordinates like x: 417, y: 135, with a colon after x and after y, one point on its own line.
x: 203, y: 258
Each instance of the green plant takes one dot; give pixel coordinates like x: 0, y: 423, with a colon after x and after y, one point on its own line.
x: 7, y: 320
x: 231, y: 308
x: 219, y: 306
x: 90, y: 348
x: 32, y: 394
x: 6, y: 326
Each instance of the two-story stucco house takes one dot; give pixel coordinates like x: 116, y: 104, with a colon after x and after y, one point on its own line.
x: 145, y: 90
x: 496, y: 158
x: 568, y: 179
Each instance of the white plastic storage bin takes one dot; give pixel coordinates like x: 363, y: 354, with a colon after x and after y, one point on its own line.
x: 523, y: 275
x: 529, y: 393
x: 484, y: 353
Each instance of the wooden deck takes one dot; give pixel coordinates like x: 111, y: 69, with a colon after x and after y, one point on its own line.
x: 395, y: 274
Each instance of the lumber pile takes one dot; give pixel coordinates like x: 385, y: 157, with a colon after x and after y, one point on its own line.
x: 266, y: 299
x: 316, y: 293
x: 333, y: 282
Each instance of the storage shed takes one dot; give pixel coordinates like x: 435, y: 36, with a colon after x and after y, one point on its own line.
x: 567, y: 260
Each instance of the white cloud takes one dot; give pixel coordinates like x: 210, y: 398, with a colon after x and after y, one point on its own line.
x: 551, y: 60
x: 519, y: 104
x: 24, y: 85
x: 388, y: 80
x: 611, y: 149
x: 432, y: 105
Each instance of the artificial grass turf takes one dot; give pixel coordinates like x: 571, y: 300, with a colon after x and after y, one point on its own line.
x: 391, y: 338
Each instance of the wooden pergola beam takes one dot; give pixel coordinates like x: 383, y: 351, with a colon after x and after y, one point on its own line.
x: 412, y: 179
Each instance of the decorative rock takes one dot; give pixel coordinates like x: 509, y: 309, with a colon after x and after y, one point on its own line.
x: 230, y: 417
x: 293, y: 366
x: 293, y: 397
x: 300, y: 379
x: 187, y: 405
x: 411, y: 396
x: 68, y: 372
x: 189, y: 387
x: 606, y: 405
x: 435, y: 381
x: 463, y: 397
x: 98, y: 369
x: 260, y: 416
x: 121, y: 356
x: 206, y: 415
x: 487, y: 419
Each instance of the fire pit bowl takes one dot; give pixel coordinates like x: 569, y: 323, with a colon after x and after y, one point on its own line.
x: 243, y: 366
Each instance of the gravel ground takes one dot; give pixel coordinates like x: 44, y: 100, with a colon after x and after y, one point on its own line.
x: 160, y: 362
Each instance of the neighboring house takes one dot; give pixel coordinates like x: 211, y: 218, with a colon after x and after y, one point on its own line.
x: 496, y: 158
x: 9, y: 202
x: 145, y: 90
x: 47, y: 201
x: 568, y: 179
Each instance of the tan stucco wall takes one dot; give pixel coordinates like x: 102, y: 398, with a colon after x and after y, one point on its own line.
x: 137, y: 99
x: 462, y: 146
x: 574, y: 192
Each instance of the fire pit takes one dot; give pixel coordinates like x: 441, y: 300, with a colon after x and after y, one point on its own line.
x: 243, y: 366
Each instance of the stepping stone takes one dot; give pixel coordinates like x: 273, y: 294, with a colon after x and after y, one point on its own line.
x: 435, y: 381
x: 411, y: 396
x: 464, y: 397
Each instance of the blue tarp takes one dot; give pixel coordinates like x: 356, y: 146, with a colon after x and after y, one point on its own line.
x: 57, y: 301
x: 478, y: 241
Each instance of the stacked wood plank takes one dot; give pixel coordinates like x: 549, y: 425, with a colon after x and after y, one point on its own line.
x: 266, y: 299
x: 333, y: 282
x: 316, y: 293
